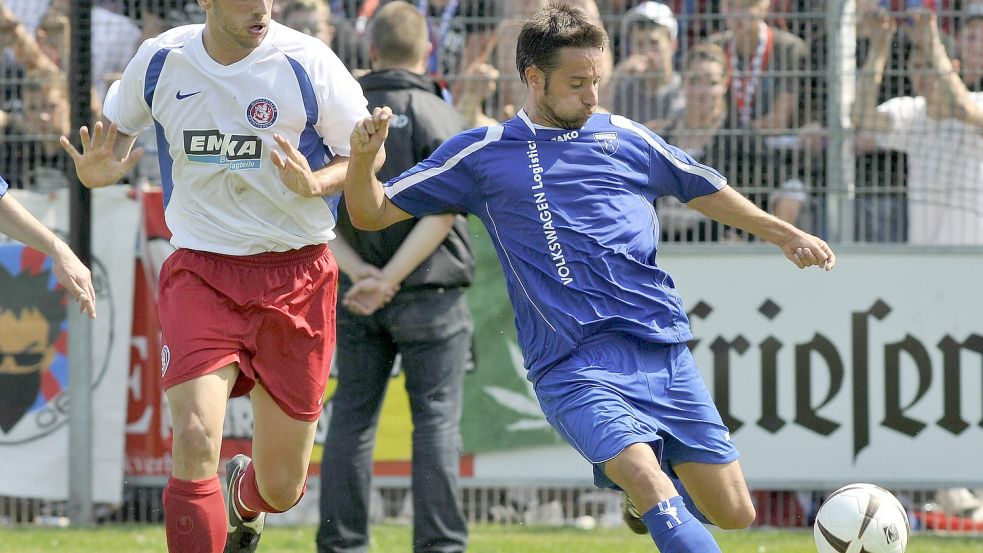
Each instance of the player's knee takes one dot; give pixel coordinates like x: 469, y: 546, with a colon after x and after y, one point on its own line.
x: 736, y: 518
x: 281, y: 491
x: 195, y: 442
x: 645, y: 481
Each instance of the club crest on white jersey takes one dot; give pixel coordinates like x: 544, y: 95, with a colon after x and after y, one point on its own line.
x: 261, y: 113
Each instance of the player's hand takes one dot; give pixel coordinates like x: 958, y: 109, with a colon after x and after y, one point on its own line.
x: 806, y: 250
x: 368, y: 295
x: 295, y: 172
x: 97, y: 165
x: 370, y: 133
x: 76, y: 279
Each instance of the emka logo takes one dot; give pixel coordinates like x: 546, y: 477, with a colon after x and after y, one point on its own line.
x: 238, y: 151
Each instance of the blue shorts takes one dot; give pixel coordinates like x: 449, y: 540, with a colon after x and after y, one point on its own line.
x: 617, y: 390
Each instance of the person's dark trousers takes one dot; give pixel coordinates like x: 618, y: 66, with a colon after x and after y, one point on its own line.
x: 431, y: 329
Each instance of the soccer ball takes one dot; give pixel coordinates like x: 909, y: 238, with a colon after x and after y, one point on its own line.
x: 861, y: 518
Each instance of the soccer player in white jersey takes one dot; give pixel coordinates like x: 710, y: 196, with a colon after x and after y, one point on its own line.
x: 252, y: 122
x: 566, y: 195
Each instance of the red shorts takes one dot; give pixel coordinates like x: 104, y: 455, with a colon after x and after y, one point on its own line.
x: 271, y: 313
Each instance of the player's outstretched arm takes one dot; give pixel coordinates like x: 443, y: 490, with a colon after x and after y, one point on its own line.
x: 296, y: 173
x: 730, y: 208
x: 17, y: 223
x: 368, y: 206
x: 106, y: 156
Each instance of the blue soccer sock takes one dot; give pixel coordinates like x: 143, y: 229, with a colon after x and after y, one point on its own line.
x: 675, y: 530
x: 688, y: 501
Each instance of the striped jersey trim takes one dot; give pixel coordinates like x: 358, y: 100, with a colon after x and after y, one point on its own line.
x: 703, y: 171
x: 493, y: 134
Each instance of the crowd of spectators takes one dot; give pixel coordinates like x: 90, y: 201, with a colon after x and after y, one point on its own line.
x: 741, y: 85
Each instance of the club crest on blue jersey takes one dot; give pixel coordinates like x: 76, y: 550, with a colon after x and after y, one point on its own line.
x: 261, y: 113
x: 608, y: 142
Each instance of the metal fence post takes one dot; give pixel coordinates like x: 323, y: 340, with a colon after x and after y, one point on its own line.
x: 80, y: 509
x: 840, y: 78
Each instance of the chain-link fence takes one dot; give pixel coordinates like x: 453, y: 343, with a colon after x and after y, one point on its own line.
x: 746, y: 87
x: 928, y: 510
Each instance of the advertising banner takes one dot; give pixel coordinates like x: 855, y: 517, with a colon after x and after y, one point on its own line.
x: 34, y: 398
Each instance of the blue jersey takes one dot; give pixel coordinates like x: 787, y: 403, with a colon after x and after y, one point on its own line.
x: 571, y: 216
x: 3, y: 187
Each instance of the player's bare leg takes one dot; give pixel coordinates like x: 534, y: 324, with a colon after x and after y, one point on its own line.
x: 719, y: 492
x: 636, y: 470
x: 195, y: 518
x: 281, y: 451
x: 673, y: 528
x: 273, y: 480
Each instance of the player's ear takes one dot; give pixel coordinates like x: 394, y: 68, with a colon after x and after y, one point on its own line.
x: 536, y: 78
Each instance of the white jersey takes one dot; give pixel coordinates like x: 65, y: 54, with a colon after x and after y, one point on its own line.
x: 945, y: 171
x: 215, y: 126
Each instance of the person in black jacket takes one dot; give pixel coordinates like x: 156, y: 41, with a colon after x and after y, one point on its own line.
x: 402, y: 292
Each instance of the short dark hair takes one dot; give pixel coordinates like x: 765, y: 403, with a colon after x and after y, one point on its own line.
x: 551, y: 28
x: 399, y: 33
x: 25, y: 291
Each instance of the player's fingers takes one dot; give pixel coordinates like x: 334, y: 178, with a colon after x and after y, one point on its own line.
x: 82, y: 294
x: 92, y: 299
x: 278, y: 161
x: 97, y: 132
x: 289, y: 151
x: 111, y: 136
x: 295, y: 166
x: 794, y: 258
x: 830, y: 256
x: 820, y: 253
x: 87, y: 305
x: 85, y: 138
x: 808, y: 257
x: 66, y: 145
x: 132, y: 158
x: 361, y: 132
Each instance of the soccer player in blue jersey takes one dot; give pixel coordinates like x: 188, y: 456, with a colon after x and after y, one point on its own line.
x: 566, y: 195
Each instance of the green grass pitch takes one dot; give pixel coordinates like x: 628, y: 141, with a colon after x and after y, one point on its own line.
x: 484, y: 539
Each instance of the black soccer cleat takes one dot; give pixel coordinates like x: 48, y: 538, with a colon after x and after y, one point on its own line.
x: 243, y: 535
x: 631, y: 516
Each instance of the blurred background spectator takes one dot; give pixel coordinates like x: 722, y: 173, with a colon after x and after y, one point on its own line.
x: 970, y: 45
x: 767, y: 66
x: 645, y: 86
x: 941, y: 130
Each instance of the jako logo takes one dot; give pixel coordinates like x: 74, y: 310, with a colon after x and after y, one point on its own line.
x: 567, y: 136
